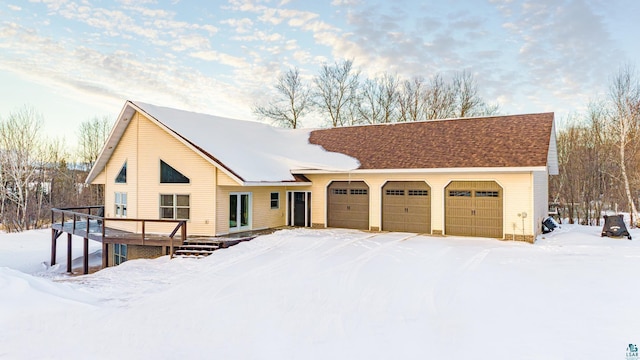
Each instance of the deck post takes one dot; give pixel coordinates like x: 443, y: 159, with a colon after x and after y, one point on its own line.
x: 105, y: 247
x: 86, y: 256
x: 105, y: 255
x: 171, y: 248
x: 53, y: 247
x: 69, y: 258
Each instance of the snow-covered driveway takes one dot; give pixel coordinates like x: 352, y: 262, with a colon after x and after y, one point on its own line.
x: 320, y: 294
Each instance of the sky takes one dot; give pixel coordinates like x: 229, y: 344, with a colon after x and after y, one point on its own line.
x: 73, y: 60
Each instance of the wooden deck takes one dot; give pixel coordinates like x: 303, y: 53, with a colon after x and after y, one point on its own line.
x: 87, y: 222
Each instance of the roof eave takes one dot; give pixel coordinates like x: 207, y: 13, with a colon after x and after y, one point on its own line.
x: 112, y: 141
x: 512, y: 169
x: 276, y: 183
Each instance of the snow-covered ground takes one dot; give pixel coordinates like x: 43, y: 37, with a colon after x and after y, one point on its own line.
x: 331, y: 294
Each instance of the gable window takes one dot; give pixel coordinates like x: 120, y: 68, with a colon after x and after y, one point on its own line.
x: 122, y: 175
x: 119, y: 253
x: 275, y: 200
x: 169, y: 175
x: 120, y: 204
x: 174, y: 206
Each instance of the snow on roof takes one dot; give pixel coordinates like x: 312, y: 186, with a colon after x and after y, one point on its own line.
x: 253, y: 151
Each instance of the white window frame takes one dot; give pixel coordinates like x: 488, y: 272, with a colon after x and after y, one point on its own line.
x: 120, y: 253
x: 174, y: 207
x: 120, y: 204
x: 277, y: 200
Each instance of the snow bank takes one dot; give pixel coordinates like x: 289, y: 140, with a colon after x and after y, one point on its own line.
x: 341, y: 294
x: 30, y: 252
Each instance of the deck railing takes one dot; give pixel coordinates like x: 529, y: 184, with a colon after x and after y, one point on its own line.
x: 85, y: 218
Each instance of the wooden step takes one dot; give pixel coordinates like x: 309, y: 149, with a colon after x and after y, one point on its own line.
x: 187, y: 246
x: 184, y: 256
x: 190, y: 251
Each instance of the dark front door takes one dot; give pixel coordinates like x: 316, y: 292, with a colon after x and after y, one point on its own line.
x: 299, y: 209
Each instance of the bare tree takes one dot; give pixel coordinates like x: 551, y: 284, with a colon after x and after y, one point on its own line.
x: 624, y: 94
x: 92, y: 135
x: 369, y: 98
x: 468, y: 102
x: 20, y: 144
x: 293, y: 99
x: 379, y: 99
x: 411, y: 97
x: 439, y: 99
x: 465, y: 92
x: 335, y: 91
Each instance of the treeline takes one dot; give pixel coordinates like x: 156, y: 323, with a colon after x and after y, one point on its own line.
x: 343, y: 96
x: 37, y: 173
x: 598, y: 155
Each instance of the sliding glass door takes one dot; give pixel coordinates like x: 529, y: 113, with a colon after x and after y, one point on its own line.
x: 239, y: 212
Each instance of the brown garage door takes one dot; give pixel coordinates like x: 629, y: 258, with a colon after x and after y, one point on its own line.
x: 348, y: 205
x: 406, y: 206
x: 474, y: 208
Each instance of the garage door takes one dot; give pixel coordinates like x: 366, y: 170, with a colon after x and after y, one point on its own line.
x: 474, y: 208
x: 406, y: 206
x: 348, y: 205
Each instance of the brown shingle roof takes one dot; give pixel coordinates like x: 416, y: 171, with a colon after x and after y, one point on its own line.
x: 497, y: 141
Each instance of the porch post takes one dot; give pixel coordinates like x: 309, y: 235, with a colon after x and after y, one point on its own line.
x: 105, y: 255
x: 53, y: 247
x: 69, y: 269
x: 86, y: 256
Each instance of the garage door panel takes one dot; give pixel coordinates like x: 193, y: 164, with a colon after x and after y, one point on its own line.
x: 394, y: 211
x: 348, y: 205
x: 474, y: 208
x: 406, y: 206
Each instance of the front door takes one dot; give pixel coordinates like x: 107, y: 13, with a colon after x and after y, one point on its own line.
x: 299, y: 208
x: 239, y: 212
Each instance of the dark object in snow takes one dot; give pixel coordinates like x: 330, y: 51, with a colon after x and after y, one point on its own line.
x: 614, y: 226
x: 548, y: 225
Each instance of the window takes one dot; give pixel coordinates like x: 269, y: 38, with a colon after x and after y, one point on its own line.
x: 487, y: 194
x: 122, y: 175
x: 460, y: 193
x: 418, y: 192
x: 339, y: 191
x: 391, y: 192
x: 358, y: 192
x: 174, y: 206
x: 120, y: 204
x: 275, y: 200
x: 169, y: 175
x: 119, y: 253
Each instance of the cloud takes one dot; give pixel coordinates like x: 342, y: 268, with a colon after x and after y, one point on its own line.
x: 99, y: 73
x: 241, y: 26
x: 563, y: 48
x: 14, y: 7
x: 224, y: 59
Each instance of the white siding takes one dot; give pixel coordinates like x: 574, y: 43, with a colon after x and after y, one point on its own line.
x: 540, y: 198
x: 518, y: 196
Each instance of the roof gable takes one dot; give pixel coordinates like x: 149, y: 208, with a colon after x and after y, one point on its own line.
x: 248, y: 151
x: 497, y: 141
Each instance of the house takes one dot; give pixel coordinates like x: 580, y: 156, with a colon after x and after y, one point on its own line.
x: 482, y: 177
